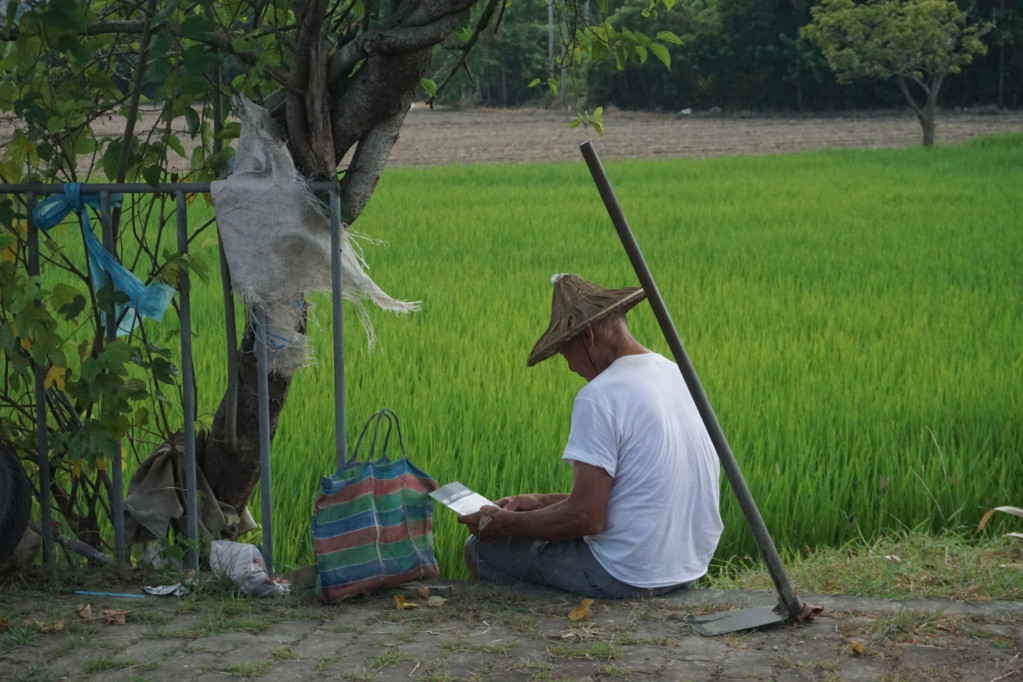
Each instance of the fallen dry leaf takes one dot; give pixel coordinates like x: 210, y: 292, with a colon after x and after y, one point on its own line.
x: 581, y: 611
x: 424, y: 591
x: 47, y: 628
x: 114, y: 616
x: 860, y: 649
x: 435, y: 601
x: 402, y: 604
x: 84, y: 611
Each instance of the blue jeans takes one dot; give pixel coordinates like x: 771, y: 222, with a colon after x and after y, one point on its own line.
x: 567, y: 565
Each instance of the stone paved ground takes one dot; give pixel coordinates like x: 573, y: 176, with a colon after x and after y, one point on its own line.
x: 498, y: 634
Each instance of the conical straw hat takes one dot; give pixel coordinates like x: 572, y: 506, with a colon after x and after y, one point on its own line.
x: 576, y: 304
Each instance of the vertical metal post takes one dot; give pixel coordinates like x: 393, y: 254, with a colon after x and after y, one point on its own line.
x: 188, y: 390
x: 339, y: 348
x: 42, y: 435
x: 263, y: 396
x: 117, y: 473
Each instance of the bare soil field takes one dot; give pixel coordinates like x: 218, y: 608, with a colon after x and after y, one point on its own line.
x: 489, y: 136
x: 495, y: 136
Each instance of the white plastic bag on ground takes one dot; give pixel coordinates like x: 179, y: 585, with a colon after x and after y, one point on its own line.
x: 243, y: 565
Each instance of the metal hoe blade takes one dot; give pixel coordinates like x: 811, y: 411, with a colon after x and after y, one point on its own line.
x: 790, y: 606
x: 733, y: 621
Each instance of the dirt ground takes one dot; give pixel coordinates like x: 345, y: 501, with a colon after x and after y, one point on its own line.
x: 489, y: 136
x: 494, y: 136
x: 481, y: 633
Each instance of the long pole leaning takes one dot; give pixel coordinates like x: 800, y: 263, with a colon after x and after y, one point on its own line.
x: 790, y: 601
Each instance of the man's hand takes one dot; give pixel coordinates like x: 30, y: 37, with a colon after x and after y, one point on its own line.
x: 489, y: 523
x: 548, y: 517
x: 529, y: 502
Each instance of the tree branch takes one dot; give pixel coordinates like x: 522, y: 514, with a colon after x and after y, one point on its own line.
x: 370, y: 158
x: 133, y: 103
x: 306, y: 111
x: 407, y: 37
x: 481, y: 25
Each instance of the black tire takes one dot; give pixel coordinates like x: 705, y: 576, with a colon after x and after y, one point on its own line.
x: 15, y: 501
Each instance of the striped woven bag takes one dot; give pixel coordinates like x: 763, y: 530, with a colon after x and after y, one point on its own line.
x: 373, y: 521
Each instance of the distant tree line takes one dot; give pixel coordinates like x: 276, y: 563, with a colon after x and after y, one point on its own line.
x: 735, y: 55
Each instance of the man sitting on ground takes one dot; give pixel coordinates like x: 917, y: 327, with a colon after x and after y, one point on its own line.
x: 642, y: 517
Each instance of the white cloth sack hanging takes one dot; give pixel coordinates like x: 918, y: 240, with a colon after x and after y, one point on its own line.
x: 276, y: 238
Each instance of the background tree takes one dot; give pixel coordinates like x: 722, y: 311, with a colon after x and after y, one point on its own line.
x: 996, y: 77
x: 499, y: 69
x: 337, y: 78
x: 918, y: 43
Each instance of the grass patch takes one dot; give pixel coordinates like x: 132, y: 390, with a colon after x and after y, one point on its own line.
x: 20, y: 636
x: 285, y: 653
x: 246, y: 670
x: 909, y: 626
x: 899, y: 566
x: 598, y: 651
x: 104, y: 664
x: 387, y: 658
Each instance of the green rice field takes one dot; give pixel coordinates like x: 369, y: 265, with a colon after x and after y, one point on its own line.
x: 855, y: 317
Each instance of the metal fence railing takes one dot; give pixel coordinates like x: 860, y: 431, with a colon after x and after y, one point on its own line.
x: 30, y: 194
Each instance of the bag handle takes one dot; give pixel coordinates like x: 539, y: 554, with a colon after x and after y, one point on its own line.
x: 375, y: 420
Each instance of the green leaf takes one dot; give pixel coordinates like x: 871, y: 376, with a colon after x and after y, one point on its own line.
x: 429, y: 85
x: 163, y: 14
x: 152, y: 174
x: 355, y: 69
x: 230, y: 131
x: 141, y: 417
x: 163, y: 371
x: 661, y: 52
x: 243, y: 44
x: 621, y: 58
x: 196, y: 27
x: 668, y: 37
x: 63, y: 16
x: 134, y: 389
x: 67, y: 301
x: 192, y: 119
x: 218, y: 163
x: 111, y: 158
x: 175, y: 143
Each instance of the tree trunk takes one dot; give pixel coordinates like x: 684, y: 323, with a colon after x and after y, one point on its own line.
x: 233, y: 475
x: 356, y: 97
x: 924, y: 114
x: 927, y: 121
x: 931, y: 109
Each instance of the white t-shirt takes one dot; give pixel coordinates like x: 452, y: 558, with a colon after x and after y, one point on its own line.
x: 638, y: 421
